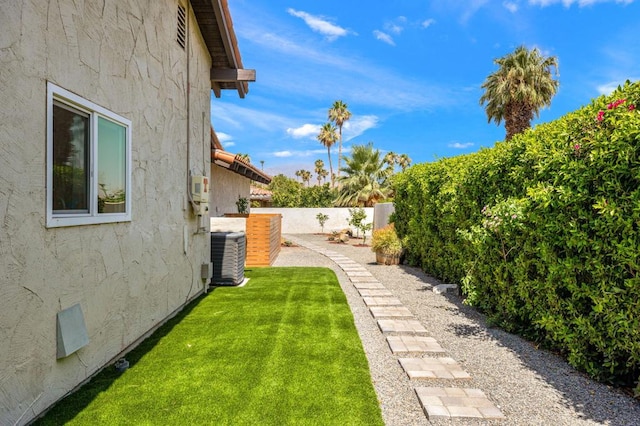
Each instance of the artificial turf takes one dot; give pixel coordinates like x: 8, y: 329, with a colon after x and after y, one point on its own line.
x: 282, y: 350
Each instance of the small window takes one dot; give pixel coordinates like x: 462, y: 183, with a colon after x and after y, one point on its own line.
x: 88, y: 162
x: 182, y: 27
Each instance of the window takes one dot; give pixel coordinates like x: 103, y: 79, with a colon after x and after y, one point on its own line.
x: 88, y: 162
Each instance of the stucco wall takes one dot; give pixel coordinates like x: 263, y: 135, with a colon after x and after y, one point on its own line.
x: 226, y: 188
x: 381, y: 214
x: 303, y: 220
x: 127, y: 277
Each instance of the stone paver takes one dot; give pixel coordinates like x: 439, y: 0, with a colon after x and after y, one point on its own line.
x: 381, y: 301
x: 370, y: 286
x: 456, y: 402
x: 414, y: 344
x: 359, y: 274
x: 394, y: 326
x: 353, y: 268
x: 433, y: 368
x: 384, y: 312
x: 366, y: 292
x: 363, y: 279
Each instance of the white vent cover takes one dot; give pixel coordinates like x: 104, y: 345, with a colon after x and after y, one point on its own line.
x: 72, y: 333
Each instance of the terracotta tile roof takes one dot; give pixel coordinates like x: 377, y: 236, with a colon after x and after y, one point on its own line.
x: 234, y: 162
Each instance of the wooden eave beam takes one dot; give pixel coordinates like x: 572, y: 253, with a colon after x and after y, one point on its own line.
x: 221, y: 10
x: 230, y: 75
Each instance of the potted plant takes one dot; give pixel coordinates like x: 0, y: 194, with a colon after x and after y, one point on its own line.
x: 387, y: 245
x: 243, y: 205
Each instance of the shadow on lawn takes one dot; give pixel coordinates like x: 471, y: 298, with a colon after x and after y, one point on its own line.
x: 68, y: 408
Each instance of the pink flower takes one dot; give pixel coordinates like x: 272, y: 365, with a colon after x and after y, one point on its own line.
x: 616, y: 104
x: 576, y: 147
x: 600, y: 115
x: 632, y: 107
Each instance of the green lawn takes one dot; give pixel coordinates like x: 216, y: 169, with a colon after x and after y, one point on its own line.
x: 281, y: 350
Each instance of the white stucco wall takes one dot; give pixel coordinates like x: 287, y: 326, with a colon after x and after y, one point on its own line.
x: 226, y: 188
x: 127, y: 277
x: 303, y: 220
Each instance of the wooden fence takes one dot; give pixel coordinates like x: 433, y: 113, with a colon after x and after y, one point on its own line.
x: 264, y: 232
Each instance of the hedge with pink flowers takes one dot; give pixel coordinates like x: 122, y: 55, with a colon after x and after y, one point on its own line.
x: 543, y: 232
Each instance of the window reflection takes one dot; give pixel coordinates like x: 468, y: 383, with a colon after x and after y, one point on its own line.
x: 70, y: 159
x: 112, y: 148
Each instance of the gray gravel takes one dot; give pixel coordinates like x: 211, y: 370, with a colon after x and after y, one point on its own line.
x: 530, y: 386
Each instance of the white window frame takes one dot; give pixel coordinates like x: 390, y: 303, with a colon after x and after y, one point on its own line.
x: 58, y: 94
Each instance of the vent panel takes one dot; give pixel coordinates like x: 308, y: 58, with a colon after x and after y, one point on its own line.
x: 182, y: 27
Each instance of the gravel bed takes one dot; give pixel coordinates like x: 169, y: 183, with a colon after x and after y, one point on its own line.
x: 530, y: 386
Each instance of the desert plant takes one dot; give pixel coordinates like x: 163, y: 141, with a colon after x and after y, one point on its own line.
x: 243, y: 205
x: 322, y: 219
x: 364, y: 227
x: 386, y: 241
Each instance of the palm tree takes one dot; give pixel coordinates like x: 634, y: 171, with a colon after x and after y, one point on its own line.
x: 339, y: 113
x: 366, y: 180
x: 404, y: 161
x: 328, y: 137
x: 306, y: 176
x: 299, y: 173
x: 522, y: 85
x: 320, y: 171
x: 390, y: 159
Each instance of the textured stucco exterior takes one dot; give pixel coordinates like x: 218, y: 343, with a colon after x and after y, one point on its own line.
x: 226, y: 188
x: 127, y: 277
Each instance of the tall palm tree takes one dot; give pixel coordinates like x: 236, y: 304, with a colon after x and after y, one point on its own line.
x: 299, y: 173
x: 320, y: 171
x: 339, y: 113
x: 522, y: 85
x: 328, y: 137
x: 366, y: 180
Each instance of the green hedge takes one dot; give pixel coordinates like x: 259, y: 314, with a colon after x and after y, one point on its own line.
x: 543, y: 232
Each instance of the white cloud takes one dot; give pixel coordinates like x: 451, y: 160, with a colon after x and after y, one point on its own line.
x: 238, y: 117
x: 607, y: 88
x: 393, y: 28
x: 428, y: 22
x: 357, y: 125
x: 580, y: 3
x: 396, y: 26
x: 510, y: 6
x: 306, y: 153
x: 319, y: 24
x: 384, y: 37
x: 228, y: 144
x: 223, y: 137
x: 458, y: 145
x: 304, y: 131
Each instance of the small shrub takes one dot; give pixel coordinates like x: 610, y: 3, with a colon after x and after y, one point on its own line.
x: 386, y: 241
x: 357, y: 216
x: 322, y: 219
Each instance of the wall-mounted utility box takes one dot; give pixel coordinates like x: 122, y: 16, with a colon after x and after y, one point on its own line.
x: 71, y: 331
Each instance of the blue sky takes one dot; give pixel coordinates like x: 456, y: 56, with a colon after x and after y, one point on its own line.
x: 410, y: 71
